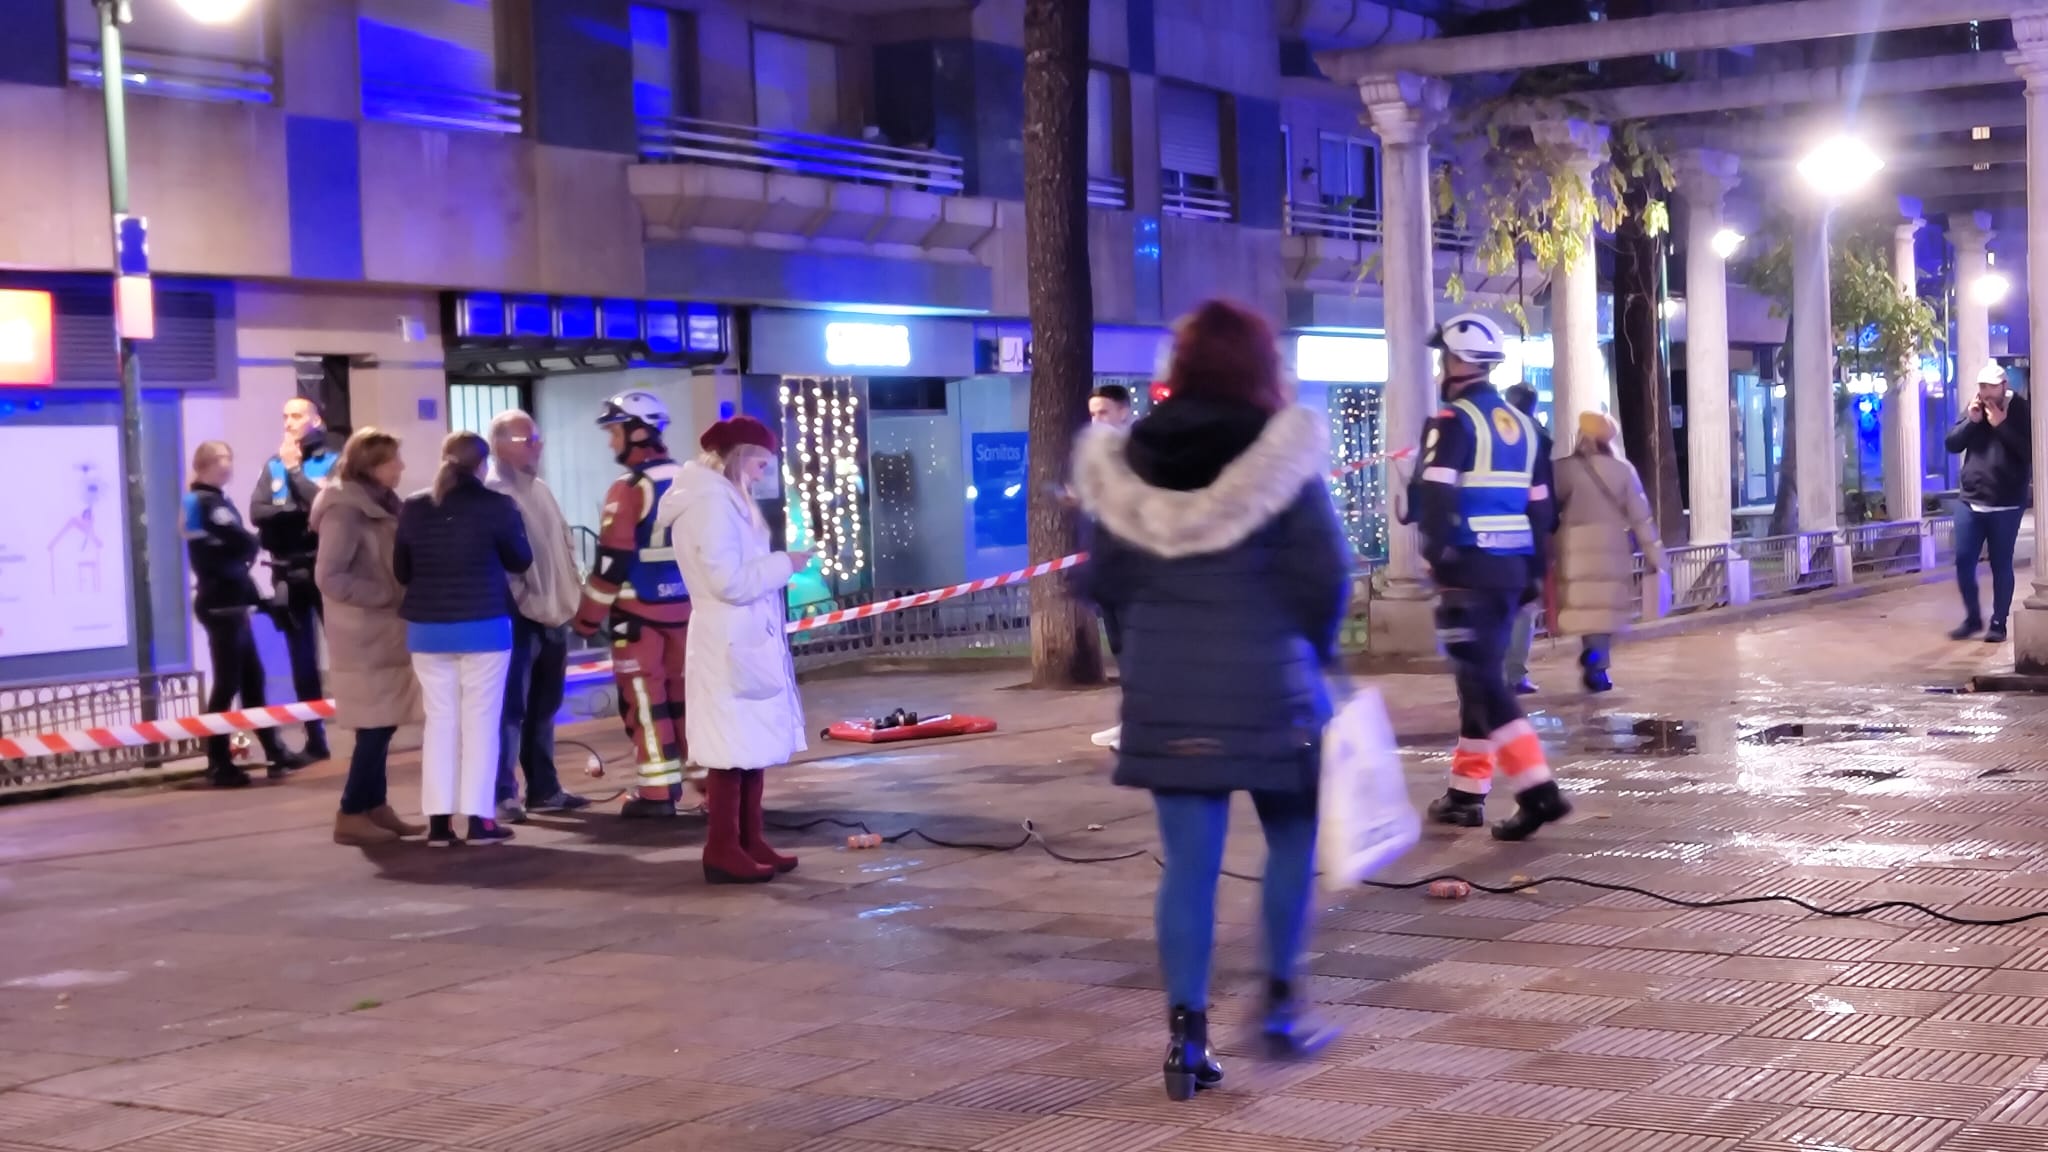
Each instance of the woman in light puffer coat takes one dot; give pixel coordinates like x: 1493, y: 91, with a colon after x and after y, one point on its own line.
x: 1600, y: 505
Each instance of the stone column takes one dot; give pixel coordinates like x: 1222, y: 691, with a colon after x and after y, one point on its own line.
x: 2030, y: 33
x: 1817, y: 469
x: 1704, y: 179
x: 1579, y: 381
x: 1402, y: 110
x: 1902, y: 468
x: 1971, y: 233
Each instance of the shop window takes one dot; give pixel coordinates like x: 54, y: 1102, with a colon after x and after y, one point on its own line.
x: 434, y: 62
x: 165, y: 52
x: 1108, y: 139
x: 907, y: 394
x: 664, y: 55
x: 825, y: 477
x: 1361, y: 494
x: 1191, y: 153
x: 796, y: 83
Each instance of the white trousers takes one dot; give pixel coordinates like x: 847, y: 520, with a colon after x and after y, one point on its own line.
x: 464, y: 693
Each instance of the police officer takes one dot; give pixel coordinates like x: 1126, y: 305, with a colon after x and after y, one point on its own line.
x: 636, y: 594
x: 1481, y: 499
x: 282, y: 507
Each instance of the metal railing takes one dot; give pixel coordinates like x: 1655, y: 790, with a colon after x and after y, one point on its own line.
x: 993, y: 621
x: 1196, y: 203
x: 1109, y: 192
x: 437, y: 107
x: 1885, y: 549
x: 1699, y: 578
x: 63, y: 706
x: 1451, y: 238
x: 1336, y: 223
x: 185, y: 75
x: 690, y: 141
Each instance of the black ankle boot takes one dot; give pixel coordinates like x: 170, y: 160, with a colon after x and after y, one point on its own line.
x: 1534, y: 807
x: 1189, y: 1063
x: 1458, y: 809
x: 1290, y: 1030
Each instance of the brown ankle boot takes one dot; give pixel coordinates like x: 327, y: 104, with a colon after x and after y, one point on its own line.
x: 752, y: 784
x: 383, y: 817
x: 361, y: 830
x: 725, y: 860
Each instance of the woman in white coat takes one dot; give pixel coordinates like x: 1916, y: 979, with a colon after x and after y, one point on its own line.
x: 1600, y: 505
x: 741, y: 713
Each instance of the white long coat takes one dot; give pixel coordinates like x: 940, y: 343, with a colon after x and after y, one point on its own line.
x: 742, y: 707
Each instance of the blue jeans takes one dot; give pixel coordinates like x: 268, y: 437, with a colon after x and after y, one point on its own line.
x: 1519, y: 641
x: 1193, y: 827
x: 365, y: 788
x: 1974, y: 532
x: 534, y: 686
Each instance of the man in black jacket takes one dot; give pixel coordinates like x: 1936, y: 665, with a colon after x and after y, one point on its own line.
x: 1995, y: 440
x: 280, y: 508
x: 1524, y: 398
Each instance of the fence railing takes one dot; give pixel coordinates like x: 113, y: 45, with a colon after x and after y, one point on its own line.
x: 1195, y: 203
x: 993, y: 621
x: 437, y: 107
x: 185, y: 75
x: 1109, y: 192
x: 690, y: 141
x: 1335, y: 223
x: 33, y: 709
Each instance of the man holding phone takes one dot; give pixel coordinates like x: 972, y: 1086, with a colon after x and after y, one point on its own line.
x: 1994, y: 439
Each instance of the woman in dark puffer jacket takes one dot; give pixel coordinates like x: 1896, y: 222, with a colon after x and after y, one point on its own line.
x: 1217, y: 546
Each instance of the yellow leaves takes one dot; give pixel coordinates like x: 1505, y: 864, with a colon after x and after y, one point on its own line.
x: 1454, y: 288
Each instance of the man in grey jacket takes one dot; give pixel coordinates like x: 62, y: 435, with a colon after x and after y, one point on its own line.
x: 547, y: 595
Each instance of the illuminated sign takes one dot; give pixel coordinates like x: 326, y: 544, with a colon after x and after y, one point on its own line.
x: 1341, y: 359
x: 27, y: 355
x: 850, y: 345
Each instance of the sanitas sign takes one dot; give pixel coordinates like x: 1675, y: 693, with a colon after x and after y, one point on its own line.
x: 851, y: 345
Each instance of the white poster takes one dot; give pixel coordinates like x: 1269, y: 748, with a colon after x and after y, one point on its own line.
x: 63, y: 540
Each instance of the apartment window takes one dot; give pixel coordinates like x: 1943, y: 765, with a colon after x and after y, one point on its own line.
x: 796, y: 83
x: 1348, y: 175
x: 664, y: 50
x: 472, y: 407
x: 434, y: 62
x: 165, y: 52
x: 1191, y: 153
x: 1108, y: 139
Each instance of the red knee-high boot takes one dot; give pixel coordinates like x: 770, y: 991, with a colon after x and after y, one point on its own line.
x: 754, y: 782
x: 725, y: 857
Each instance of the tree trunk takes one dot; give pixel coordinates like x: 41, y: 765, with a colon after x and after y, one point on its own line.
x: 1066, y: 645
x: 1643, y: 389
x: 1785, y: 513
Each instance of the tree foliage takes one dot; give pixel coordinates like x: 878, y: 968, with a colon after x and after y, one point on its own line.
x: 1875, y: 327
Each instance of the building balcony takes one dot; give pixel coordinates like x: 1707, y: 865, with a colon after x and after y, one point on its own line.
x: 1192, y: 203
x: 734, y: 184
x: 457, y: 109
x: 1333, y: 244
x: 1109, y: 192
x: 184, y: 75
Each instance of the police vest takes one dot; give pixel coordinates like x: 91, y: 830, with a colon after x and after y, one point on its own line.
x: 314, y: 468
x: 1493, y: 496
x: 655, y: 577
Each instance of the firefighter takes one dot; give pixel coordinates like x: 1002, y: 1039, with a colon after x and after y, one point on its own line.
x: 636, y: 594
x: 1481, y: 499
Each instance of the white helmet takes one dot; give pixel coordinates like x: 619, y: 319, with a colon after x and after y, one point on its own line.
x: 1471, y: 337
x: 634, y: 407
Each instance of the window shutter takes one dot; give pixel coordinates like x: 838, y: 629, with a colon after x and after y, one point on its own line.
x: 448, y: 44
x: 1189, y: 140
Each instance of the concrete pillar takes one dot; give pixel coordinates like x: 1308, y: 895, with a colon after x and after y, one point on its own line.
x: 1401, y: 110
x: 1971, y: 233
x: 1579, y: 381
x: 1902, y: 469
x: 1704, y: 179
x: 2030, y: 34
x: 1817, y: 465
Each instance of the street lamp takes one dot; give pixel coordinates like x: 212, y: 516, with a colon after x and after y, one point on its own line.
x: 1726, y: 241
x: 132, y: 293
x: 1990, y: 288
x: 1840, y: 166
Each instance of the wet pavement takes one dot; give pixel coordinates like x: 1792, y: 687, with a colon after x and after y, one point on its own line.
x: 185, y: 971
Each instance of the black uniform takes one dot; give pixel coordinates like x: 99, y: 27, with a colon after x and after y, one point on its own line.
x: 281, y: 507
x: 1481, y: 499
x: 222, y: 551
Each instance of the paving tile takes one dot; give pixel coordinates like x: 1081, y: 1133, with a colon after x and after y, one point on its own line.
x: 1596, y: 1139
x: 224, y: 1136
x: 1529, y: 1101
x: 1079, y: 1134
x: 1947, y: 1066
x: 1449, y: 1132
x: 571, y: 1132
x: 803, y: 1112
x: 1731, y: 1119
x: 1993, y: 1138
x: 1905, y: 1097
x: 445, y: 1121
x: 1577, y: 1069
x: 1296, y: 1118
x: 1378, y: 1086
x: 1806, y: 1129
x: 98, y: 1127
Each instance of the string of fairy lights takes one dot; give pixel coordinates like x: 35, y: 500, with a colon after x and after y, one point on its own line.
x: 1361, y: 495
x: 821, y: 468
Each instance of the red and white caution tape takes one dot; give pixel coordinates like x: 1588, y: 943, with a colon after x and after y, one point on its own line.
x: 163, y: 731
x: 278, y: 715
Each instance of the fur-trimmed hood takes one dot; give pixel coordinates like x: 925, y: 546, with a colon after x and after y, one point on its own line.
x: 1253, y: 488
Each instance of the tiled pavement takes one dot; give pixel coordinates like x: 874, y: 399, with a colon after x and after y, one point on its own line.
x: 194, y: 972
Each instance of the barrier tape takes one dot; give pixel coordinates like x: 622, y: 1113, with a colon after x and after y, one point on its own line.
x: 278, y: 715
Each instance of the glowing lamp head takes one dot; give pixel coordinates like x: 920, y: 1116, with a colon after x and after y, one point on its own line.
x: 1840, y: 166
x: 214, y: 11
x: 1990, y: 288
x: 1726, y: 241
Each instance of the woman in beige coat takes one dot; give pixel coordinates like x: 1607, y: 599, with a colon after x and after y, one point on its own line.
x: 1600, y: 505
x: 369, y: 668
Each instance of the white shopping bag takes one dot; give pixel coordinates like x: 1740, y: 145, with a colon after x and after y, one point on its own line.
x: 1366, y: 820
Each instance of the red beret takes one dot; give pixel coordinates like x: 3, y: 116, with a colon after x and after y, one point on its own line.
x: 729, y: 434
